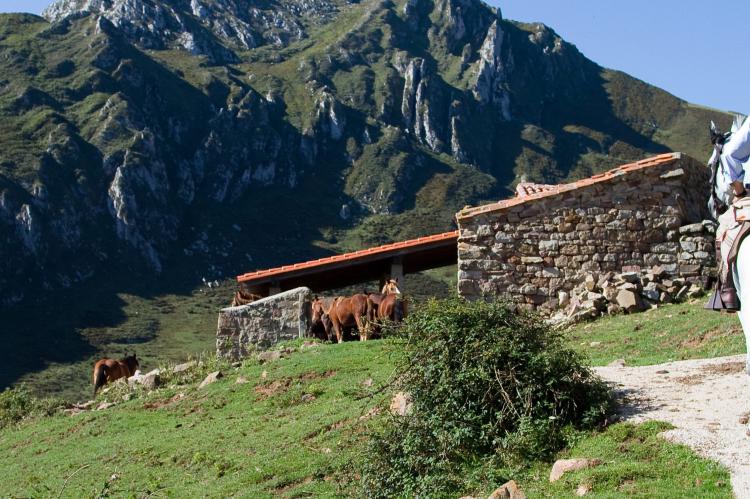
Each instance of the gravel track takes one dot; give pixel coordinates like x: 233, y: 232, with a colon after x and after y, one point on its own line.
x: 705, y: 401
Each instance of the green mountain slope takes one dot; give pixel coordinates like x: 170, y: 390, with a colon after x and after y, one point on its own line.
x: 166, y: 140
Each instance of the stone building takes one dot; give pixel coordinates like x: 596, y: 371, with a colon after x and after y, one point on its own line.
x: 547, y: 240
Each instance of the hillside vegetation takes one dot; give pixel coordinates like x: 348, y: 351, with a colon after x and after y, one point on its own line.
x: 291, y: 428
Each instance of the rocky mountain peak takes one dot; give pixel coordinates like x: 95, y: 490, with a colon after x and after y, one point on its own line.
x: 211, y: 28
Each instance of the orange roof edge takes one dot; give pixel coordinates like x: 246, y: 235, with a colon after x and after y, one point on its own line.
x: 659, y: 160
x: 264, y: 274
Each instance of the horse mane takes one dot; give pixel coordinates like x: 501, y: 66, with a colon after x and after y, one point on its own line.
x: 132, y: 362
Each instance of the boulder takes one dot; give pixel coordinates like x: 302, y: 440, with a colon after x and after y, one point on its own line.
x: 590, y: 282
x: 211, y: 378
x: 563, y: 299
x: 563, y: 466
x: 269, y: 356
x: 629, y: 301
x: 179, y: 368
x: 509, y: 490
x: 651, y: 292
x: 682, y: 294
x: 151, y: 380
x: 401, y: 404
x: 631, y: 277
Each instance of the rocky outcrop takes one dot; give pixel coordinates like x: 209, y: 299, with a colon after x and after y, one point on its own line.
x: 493, y: 74
x: 201, y: 27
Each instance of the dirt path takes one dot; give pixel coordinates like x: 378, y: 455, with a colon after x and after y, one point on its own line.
x: 703, y: 399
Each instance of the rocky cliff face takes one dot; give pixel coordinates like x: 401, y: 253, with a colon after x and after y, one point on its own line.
x: 209, y: 137
x: 201, y: 27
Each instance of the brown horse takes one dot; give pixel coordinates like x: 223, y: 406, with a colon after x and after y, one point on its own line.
x: 390, y: 286
x: 354, y: 311
x: 108, y: 370
x: 243, y: 298
x: 320, y: 322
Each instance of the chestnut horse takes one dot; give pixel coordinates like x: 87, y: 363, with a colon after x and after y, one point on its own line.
x: 320, y: 322
x: 243, y: 298
x: 389, y: 305
x: 354, y: 311
x: 108, y: 370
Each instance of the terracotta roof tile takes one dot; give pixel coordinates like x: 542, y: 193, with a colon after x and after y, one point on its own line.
x: 322, y: 262
x: 527, y: 189
x: 529, y: 192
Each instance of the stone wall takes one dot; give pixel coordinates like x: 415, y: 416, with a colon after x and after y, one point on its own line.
x: 263, y: 323
x: 628, y: 220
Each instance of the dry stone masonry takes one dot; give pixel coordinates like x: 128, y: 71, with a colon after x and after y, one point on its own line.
x: 263, y: 323
x: 552, y: 242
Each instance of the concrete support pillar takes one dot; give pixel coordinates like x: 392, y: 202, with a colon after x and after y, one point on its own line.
x: 397, y: 270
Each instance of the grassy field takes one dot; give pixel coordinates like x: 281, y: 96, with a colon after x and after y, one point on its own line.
x: 670, y: 333
x: 293, y: 428
x: 56, y: 343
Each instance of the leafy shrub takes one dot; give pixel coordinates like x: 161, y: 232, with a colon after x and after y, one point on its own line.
x: 17, y: 404
x: 488, y: 383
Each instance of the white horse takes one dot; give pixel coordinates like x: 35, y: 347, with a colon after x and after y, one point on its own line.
x: 731, y: 153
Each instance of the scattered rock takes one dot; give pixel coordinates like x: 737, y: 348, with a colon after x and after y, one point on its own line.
x: 179, y: 368
x: 241, y: 380
x: 264, y: 374
x: 595, y: 344
x: 211, y: 378
x: 629, y: 301
x: 662, y: 372
x: 269, y: 356
x: 563, y: 466
x: 617, y: 363
x: 308, y: 397
x: 509, y: 490
x: 583, y: 489
x: 401, y: 404
x: 104, y: 405
x: 744, y: 419
x: 151, y: 380
x: 367, y: 383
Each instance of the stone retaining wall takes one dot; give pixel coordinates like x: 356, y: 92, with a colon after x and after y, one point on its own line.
x: 635, y: 220
x: 263, y: 323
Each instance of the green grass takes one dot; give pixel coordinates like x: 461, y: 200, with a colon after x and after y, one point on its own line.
x: 670, y: 333
x: 260, y: 439
x: 636, y: 462
x: 76, y: 330
x: 256, y: 440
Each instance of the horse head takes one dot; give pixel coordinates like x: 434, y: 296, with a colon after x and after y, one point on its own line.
x: 721, y: 194
x: 391, y: 287
x: 132, y: 362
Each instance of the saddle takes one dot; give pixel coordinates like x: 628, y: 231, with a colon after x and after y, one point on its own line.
x: 734, y: 227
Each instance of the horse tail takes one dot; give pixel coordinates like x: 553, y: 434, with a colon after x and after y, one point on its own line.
x: 100, y: 377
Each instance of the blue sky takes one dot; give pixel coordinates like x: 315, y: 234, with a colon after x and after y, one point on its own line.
x: 682, y: 46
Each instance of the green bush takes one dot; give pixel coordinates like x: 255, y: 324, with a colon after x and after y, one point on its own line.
x: 17, y: 404
x: 488, y: 383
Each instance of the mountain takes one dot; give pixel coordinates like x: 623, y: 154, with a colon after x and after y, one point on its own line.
x: 141, y: 139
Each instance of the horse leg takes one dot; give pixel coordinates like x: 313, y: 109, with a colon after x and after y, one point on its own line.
x: 741, y: 274
x: 100, y: 378
x: 362, y: 326
x: 338, y: 328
